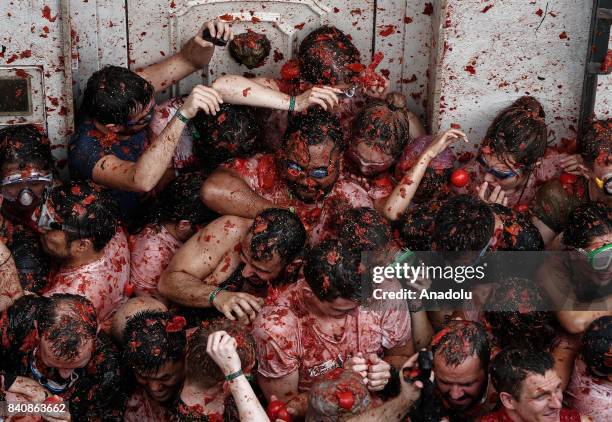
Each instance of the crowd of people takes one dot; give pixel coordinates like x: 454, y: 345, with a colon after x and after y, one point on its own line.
x: 206, y: 258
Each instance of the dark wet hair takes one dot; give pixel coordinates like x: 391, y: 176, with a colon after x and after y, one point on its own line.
x: 315, y: 126
x: 586, y: 222
x: 464, y: 223
x: 31, y: 261
x: 87, y: 208
x: 333, y: 271
x: 277, y: 230
x: 114, y: 93
x: 180, y: 200
x: 200, y: 368
x: 459, y: 340
x: 21, y: 325
x: 67, y: 321
x: 519, y: 131
x: 528, y: 237
x: 434, y: 184
x: 25, y: 145
x: 596, y: 142
x: 149, y: 342
x: 416, y: 225
x: 364, y: 229
x: 324, y: 56
x: 250, y: 48
x: 517, y: 313
x: 597, y: 346
x: 384, y: 124
x: 233, y: 132
x: 512, y: 366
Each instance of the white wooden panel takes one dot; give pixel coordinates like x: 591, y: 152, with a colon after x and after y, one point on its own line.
x: 99, y: 38
x: 496, y: 52
x: 157, y: 29
x: 35, y: 36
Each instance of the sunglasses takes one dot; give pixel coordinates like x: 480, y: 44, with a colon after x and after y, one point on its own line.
x: 499, y: 174
x: 605, y: 184
x: 144, y: 120
x: 316, y: 173
x: 599, y: 259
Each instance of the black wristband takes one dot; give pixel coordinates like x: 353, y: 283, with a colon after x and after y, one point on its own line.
x: 9, y: 379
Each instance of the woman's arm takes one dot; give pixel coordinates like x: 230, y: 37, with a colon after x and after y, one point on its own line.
x: 144, y: 174
x: 402, y: 195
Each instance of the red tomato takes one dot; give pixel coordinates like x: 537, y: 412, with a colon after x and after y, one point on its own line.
x: 128, y: 290
x: 53, y: 399
x: 521, y: 208
x: 345, y: 399
x: 567, y: 179
x: 460, y: 178
x: 278, y: 410
x: 290, y: 70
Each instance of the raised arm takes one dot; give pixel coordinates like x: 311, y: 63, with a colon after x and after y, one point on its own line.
x: 226, y: 193
x: 236, y: 89
x: 195, y: 54
x: 144, y: 174
x: 402, y: 195
x: 10, y: 287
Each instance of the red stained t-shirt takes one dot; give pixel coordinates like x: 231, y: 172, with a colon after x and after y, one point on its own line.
x: 140, y: 407
x: 589, y: 395
x: 289, y: 338
x: 101, y: 281
x: 260, y: 173
x: 151, y: 251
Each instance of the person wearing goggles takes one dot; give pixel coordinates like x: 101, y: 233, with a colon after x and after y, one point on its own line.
x: 579, y: 282
x: 588, y: 178
x: 79, y: 227
x: 26, y: 171
x: 112, y: 145
x: 304, y: 177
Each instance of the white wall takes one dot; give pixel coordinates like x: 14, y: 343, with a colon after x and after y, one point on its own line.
x: 510, y: 57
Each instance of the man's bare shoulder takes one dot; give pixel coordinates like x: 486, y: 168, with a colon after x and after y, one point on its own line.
x: 227, y: 227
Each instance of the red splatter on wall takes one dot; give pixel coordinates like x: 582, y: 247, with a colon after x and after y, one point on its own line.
x: 539, y: 12
x: 486, y: 8
x: 46, y: 13
x: 12, y: 59
x: 428, y: 9
x: 607, y: 63
x: 172, y: 4
x: 21, y: 74
x: 470, y: 69
x: 407, y: 19
x: 227, y: 17
x: 255, y: 19
x: 563, y: 35
x: 25, y: 54
x: 300, y: 26
x: 387, y: 30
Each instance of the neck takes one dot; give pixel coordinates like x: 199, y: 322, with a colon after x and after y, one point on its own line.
x: 513, y: 415
x: 171, y: 227
x: 193, y: 395
x: 84, y: 258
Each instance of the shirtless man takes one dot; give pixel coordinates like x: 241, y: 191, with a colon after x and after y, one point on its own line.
x: 252, y: 252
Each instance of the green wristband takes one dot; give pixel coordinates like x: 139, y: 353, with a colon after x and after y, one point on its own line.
x: 214, y: 294
x: 181, y: 116
x: 291, y: 104
x: 233, y: 375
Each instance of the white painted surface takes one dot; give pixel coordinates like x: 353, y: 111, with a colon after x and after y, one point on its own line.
x: 511, y: 58
x: 30, y: 39
x: 157, y: 28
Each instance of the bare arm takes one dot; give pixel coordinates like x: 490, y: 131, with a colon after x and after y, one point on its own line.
x: 144, y: 174
x: 10, y: 287
x: 397, y: 356
x: 402, y: 195
x: 564, y: 353
x: 422, y: 331
x: 236, y: 89
x: 194, y: 55
x: 226, y: 193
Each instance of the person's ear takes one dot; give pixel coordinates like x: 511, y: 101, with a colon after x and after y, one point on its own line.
x: 113, y: 128
x: 184, y: 226
x: 507, y: 400
x: 83, y: 245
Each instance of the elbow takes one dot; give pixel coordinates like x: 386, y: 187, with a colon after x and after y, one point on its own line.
x: 143, y: 184
x: 211, y: 192
x: 223, y: 85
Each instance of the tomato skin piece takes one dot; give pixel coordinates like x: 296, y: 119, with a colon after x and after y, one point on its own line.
x: 460, y: 178
x: 345, y: 399
x: 277, y: 409
x: 568, y: 179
